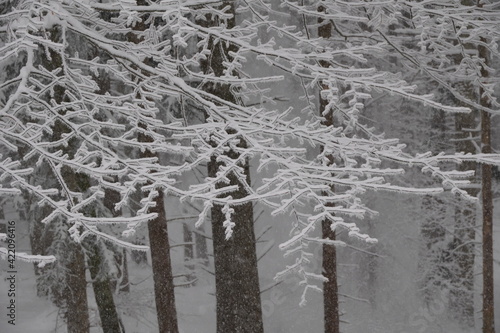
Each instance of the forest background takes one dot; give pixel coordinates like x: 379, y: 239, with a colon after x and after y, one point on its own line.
x: 356, y: 138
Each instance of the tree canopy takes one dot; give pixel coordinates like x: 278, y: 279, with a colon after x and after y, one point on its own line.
x: 54, y: 54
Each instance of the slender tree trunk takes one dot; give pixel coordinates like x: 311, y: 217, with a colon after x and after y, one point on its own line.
x: 236, y: 272
x: 162, y: 269
x: 124, y: 286
x: 102, y: 289
x: 158, y: 237
x: 188, y: 252
x: 101, y: 282
x: 77, y: 315
x: 487, y: 198
x: 161, y: 261
x: 330, y: 287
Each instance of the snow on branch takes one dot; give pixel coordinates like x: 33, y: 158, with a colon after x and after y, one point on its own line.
x: 78, y: 104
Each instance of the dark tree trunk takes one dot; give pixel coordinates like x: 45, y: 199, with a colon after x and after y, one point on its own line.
x: 160, y: 259
x: 162, y: 269
x: 330, y: 287
x: 77, y: 316
x: 487, y: 197
x: 102, y: 289
x: 101, y: 282
x: 158, y: 236
x: 236, y: 272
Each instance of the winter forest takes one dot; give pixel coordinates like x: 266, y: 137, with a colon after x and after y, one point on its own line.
x: 249, y: 166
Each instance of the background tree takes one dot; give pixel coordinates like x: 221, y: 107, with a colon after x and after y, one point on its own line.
x: 278, y: 141
x: 235, y: 257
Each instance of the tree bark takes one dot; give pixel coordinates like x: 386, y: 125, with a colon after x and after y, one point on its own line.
x: 158, y: 237
x: 330, y: 287
x: 236, y: 272
x: 77, y: 315
x: 162, y: 269
x: 124, y: 286
x: 487, y: 205
x: 160, y: 261
x: 102, y: 289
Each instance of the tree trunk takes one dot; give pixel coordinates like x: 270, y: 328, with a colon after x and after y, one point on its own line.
x: 160, y: 259
x: 201, y: 246
x: 330, y: 287
x: 158, y: 236
x: 40, y: 239
x: 77, y: 315
x: 487, y: 197
x: 188, y: 253
x: 162, y: 269
x: 124, y: 286
x: 236, y: 272
x: 102, y: 289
